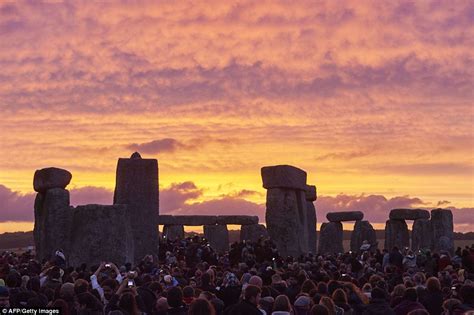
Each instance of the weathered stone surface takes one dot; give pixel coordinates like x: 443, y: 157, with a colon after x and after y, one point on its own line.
x: 396, y: 234
x: 286, y: 220
x: 137, y: 187
x: 409, y: 214
x: 283, y: 176
x: 218, y: 237
x: 53, y: 220
x: 443, y: 230
x: 363, y: 231
x: 311, y: 221
x: 173, y: 232
x: 421, y: 235
x: 237, y: 219
x: 195, y: 220
x: 101, y: 233
x: 344, y: 216
x: 253, y: 232
x: 51, y: 177
x: 310, y: 193
x: 330, y: 238
x: 166, y: 219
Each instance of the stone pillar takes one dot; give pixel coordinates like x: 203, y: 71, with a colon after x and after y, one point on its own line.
x: 252, y: 232
x: 443, y: 230
x: 396, y: 234
x: 311, y: 218
x: 218, y: 237
x: 101, y: 233
x: 363, y: 231
x: 53, y: 215
x: 421, y: 235
x: 330, y: 238
x: 286, y: 208
x: 173, y: 232
x: 137, y: 187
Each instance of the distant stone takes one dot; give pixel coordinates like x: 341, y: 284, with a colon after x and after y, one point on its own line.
x: 396, y: 234
x: 101, y: 233
x: 51, y: 177
x: 443, y: 230
x: 137, y: 187
x: 218, y: 237
x: 253, y: 232
x: 166, y: 219
x: 283, y: 176
x: 173, y: 232
x: 311, y: 222
x: 237, y: 219
x: 135, y: 155
x: 310, y: 193
x: 195, y: 220
x: 363, y: 231
x: 285, y: 218
x: 409, y: 214
x: 330, y: 238
x: 53, y: 222
x: 344, y: 216
x: 421, y: 235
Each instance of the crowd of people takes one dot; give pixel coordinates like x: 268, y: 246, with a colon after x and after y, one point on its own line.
x: 189, y: 277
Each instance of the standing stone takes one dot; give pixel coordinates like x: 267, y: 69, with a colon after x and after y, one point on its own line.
x: 443, y: 230
x: 252, y: 232
x: 51, y: 177
x: 137, y: 187
x: 218, y: 237
x: 285, y: 214
x: 421, y: 234
x: 53, y: 220
x: 330, y: 238
x: 396, y: 234
x: 101, y: 233
x: 363, y: 231
x: 311, y: 218
x: 173, y: 232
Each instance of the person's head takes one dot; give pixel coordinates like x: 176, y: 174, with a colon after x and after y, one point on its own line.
x: 206, y: 295
x: 128, y: 303
x: 339, y: 296
x: 67, y: 291
x: 433, y: 284
x: 410, y: 295
x: 62, y: 306
x: 252, y: 294
x: 466, y: 293
x: 201, y: 307
x: 109, y: 286
x: 175, y: 297
x: 86, y: 301
x: 399, y: 290
x: 188, y: 292
x: 162, y: 305
x: 322, y: 288
x: 378, y: 294
x: 319, y: 309
x: 276, y: 279
x: 256, y: 281
x: 449, y: 304
x: 307, y: 286
x: 4, y: 297
x: 326, y: 301
x: 80, y: 286
x: 282, y: 303
x: 418, y: 312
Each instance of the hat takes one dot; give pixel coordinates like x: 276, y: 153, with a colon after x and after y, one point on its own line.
x: 168, y: 278
x: 303, y: 301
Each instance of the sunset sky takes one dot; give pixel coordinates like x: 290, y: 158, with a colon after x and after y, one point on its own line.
x: 374, y: 99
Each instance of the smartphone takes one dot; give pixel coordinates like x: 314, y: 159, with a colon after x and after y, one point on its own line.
x: 107, y: 265
x: 130, y: 283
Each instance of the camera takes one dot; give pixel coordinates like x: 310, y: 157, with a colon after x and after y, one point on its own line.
x: 107, y: 265
x: 130, y: 283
